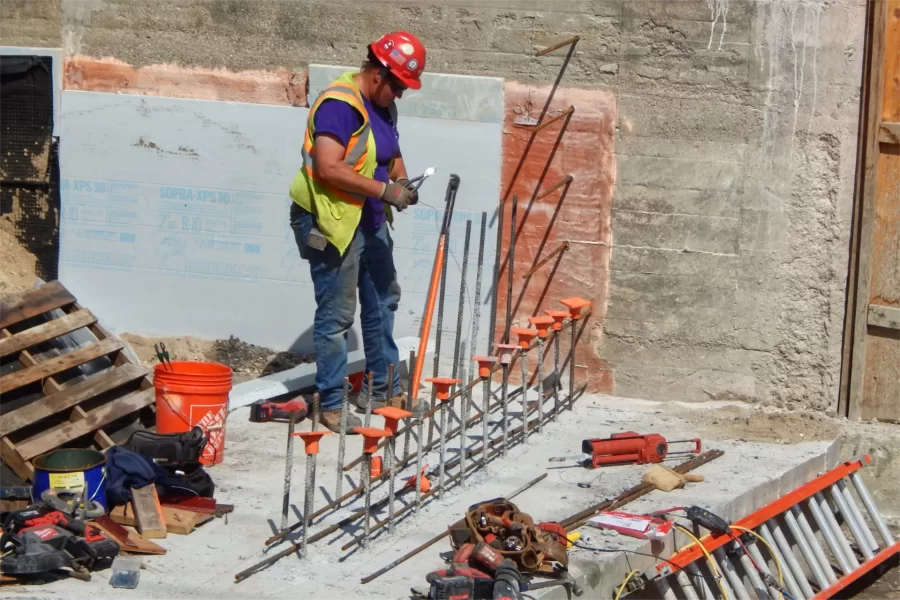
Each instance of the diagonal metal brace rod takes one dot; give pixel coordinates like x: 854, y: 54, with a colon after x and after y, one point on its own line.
x: 562, y: 44
x: 562, y: 248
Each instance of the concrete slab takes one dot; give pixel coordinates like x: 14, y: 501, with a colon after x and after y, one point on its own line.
x: 203, y: 564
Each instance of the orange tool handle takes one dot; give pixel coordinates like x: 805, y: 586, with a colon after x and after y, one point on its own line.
x: 429, y: 312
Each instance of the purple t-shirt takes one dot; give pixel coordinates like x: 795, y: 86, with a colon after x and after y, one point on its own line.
x: 339, y: 119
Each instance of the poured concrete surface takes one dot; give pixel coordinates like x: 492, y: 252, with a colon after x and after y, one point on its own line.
x: 203, y: 564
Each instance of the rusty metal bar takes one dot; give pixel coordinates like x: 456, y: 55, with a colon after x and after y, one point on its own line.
x: 552, y: 120
x: 562, y: 44
x: 562, y: 247
x: 564, y: 181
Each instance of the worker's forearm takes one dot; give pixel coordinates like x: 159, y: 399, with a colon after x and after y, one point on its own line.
x: 344, y: 177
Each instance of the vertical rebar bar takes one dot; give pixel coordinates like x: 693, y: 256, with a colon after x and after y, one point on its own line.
x: 288, y: 468
x: 438, y: 334
x: 462, y: 303
x: 463, y: 436
x: 496, y: 280
x: 342, y: 441
x: 476, y: 303
x: 504, y: 400
x: 509, y: 268
x: 409, y: 405
x: 368, y: 493
x: 485, y: 410
x: 442, y: 436
x: 419, y: 432
x: 572, y: 368
x: 557, y: 376
x: 392, y: 446
x: 540, y: 378
x: 524, y: 361
x: 310, y: 482
x: 367, y: 420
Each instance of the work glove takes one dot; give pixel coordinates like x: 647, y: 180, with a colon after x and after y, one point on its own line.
x: 402, y: 195
x: 667, y: 479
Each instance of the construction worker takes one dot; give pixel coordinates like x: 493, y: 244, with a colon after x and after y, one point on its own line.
x: 352, y: 176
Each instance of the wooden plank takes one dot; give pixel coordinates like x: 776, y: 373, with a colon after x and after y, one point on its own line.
x: 889, y: 134
x: 178, y: 520
x: 58, y: 364
x: 863, y: 220
x: 33, y: 302
x: 69, y: 397
x: 11, y: 457
x: 46, y: 332
x: 884, y: 316
x: 131, y: 541
x: 66, y: 432
x: 151, y: 523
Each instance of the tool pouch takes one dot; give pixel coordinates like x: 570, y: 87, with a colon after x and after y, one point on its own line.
x: 187, y: 479
x: 168, y: 449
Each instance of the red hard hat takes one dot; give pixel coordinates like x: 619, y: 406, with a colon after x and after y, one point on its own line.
x: 403, y: 54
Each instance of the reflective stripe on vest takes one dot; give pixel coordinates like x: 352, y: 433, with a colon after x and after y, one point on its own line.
x: 355, y: 154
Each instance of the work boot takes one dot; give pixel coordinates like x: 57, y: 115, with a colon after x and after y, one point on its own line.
x: 400, y: 400
x: 332, y: 420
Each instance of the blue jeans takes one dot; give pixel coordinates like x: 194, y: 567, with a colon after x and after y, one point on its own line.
x: 368, y: 265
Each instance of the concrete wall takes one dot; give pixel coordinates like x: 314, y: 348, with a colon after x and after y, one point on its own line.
x: 720, y: 215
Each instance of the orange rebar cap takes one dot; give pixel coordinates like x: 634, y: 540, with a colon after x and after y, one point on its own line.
x: 558, y: 317
x: 371, y: 435
x: 311, y: 440
x: 376, y: 467
x: 505, y: 352
x: 575, y: 305
x: 525, y: 336
x: 484, y: 365
x: 392, y: 416
x: 442, y: 386
x: 542, y: 324
x: 425, y: 485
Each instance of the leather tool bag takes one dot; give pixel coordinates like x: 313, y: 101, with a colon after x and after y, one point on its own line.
x: 168, y: 449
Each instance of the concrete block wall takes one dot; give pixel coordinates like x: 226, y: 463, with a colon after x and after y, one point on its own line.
x: 716, y: 198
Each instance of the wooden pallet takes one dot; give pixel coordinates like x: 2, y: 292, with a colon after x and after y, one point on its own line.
x: 46, y: 400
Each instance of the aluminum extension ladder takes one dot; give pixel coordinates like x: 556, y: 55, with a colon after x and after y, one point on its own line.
x: 819, y: 536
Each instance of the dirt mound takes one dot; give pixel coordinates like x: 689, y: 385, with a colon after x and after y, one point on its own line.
x: 245, y: 359
x: 17, y: 271
x: 250, y: 358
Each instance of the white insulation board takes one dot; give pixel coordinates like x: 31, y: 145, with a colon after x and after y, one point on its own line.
x: 175, y: 214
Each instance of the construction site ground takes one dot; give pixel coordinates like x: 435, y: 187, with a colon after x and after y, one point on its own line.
x: 764, y: 450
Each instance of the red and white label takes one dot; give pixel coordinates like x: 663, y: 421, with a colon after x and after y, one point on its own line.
x: 213, y: 424
x: 637, y: 526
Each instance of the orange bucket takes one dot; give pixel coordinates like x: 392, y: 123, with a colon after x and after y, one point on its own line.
x: 193, y: 394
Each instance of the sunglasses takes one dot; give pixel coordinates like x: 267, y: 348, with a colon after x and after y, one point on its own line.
x: 395, y: 84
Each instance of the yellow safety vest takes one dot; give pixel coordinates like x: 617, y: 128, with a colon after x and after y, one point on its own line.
x: 337, y: 212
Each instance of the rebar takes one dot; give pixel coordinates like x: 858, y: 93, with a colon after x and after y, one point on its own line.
x: 461, y: 309
x: 476, y: 310
x: 368, y: 418
x: 557, y: 378
x: 540, y: 377
x: 572, y: 364
x: 310, y: 482
x: 409, y: 402
x: 487, y: 454
x: 443, y: 443
x: 485, y: 402
x: 419, y: 433
x: 393, y: 475
x: 551, y: 120
x: 562, y: 247
x: 510, y: 268
x: 496, y: 281
x: 288, y: 469
x: 342, y: 440
x: 368, y: 511
x: 438, y: 334
x: 524, y: 362
x: 462, y: 427
x: 504, y: 401
x: 563, y: 44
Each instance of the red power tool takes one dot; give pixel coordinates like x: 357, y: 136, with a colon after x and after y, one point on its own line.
x: 264, y: 411
x: 628, y: 448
